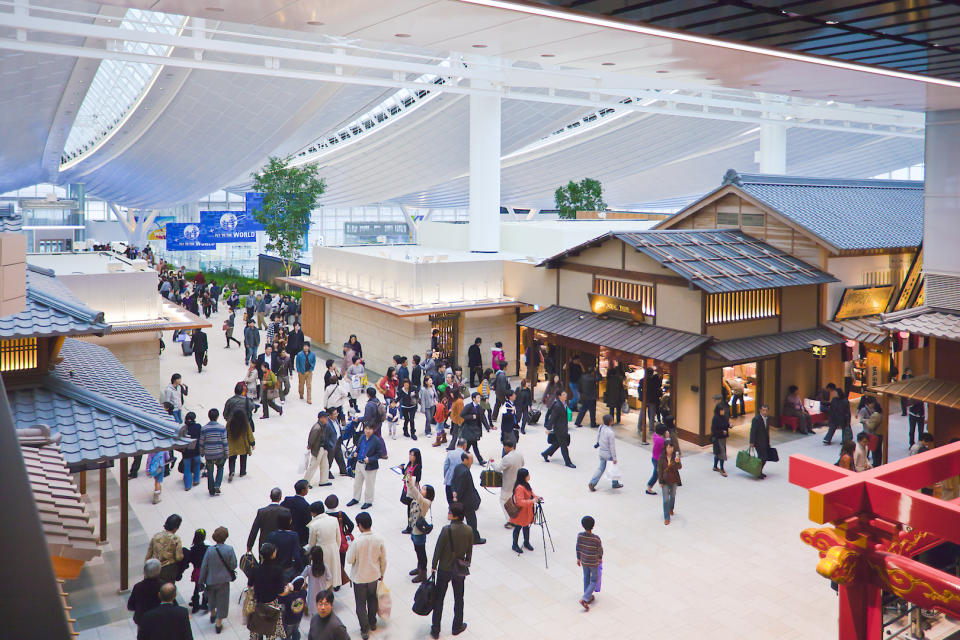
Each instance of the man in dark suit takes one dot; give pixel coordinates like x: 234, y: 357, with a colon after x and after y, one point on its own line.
x: 470, y: 430
x: 465, y: 492
x: 760, y: 436
x: 295, y: 340
x: 271, y: 358
x: 475, y: 361
x: 454, y: 543
x: 300, y: 510
x: 169, y: 621
x: 556, y: 423
x: 267, y: 520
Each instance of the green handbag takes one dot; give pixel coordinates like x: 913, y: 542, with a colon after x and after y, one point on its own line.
x: 749, y: 463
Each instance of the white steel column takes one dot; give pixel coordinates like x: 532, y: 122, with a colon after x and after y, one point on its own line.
x: 773, y: 148
x: 484, y: 173
x: 941, y: 194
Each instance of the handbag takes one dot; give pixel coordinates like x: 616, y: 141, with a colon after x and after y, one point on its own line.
x: 511, y: 507
x: 425, y: 597
x: 249, y: 604
x: 772, y: 455
x: 490, y: 478
x: 422, y: 524
x: 264, y: 618
x: 749, y: 463
x: 233, y: 572
x: 206, y: 360
x: 248, y: 563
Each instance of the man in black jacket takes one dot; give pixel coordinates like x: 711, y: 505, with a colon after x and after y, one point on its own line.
x: 501, y: 384
x: 199, y: 343
x: 588, y: 387
x: 300, y: 510
x: 269, y: 357
x: 372, y: 416
x: 475, y: 361
x: 169, y: 621
x: 470, y: 429
x: 465, y: 492
x: 267, y: 520
x: 556, y: 424
x: 295, y: 340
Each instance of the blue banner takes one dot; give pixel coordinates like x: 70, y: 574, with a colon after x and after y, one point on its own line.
x: 228, y: 226
x: 253, y: 200
x: 185, y: 236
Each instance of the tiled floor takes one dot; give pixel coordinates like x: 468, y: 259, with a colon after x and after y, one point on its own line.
x: 731, y: 565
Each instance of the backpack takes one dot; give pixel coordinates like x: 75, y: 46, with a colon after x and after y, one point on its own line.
x: 440, y: 415
x: 381, y: 412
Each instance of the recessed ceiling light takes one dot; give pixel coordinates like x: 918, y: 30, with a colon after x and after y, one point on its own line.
x: 401, y: 35
x: 662, y: 71
x: 934, y: 44
x: 314, y: 23
x: 608, y: 64
x: 867, y: 100
x: 832, y: 95
x: 479, y: 46
x: 547, y: 55
x: 795, y: 90
x: 214, y: 9
x: 831, y: 22
x: 754, y: 84
x: 710, y: 78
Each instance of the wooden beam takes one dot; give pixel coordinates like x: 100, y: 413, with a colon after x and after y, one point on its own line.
x: 82, y: 482
x: 103, y: 504
x: 626, y: 274
x: 124, y: 527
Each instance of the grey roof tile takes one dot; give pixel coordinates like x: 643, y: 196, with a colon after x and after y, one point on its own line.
x: 847, y: 214
x: 11, y: 223
x: 51, y: 310
x: 924, y: 321
x: 741, y: 349
x: 648, y: 341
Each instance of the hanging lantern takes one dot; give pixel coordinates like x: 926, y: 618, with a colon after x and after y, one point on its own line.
x: 850, y: 343
x: 818, y: 348
x: 904, y: 335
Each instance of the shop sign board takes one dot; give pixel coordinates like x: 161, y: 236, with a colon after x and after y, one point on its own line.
x: 616, y: 307
x: 860, y: 302
x: 228, y: 226
x: 185, y: 236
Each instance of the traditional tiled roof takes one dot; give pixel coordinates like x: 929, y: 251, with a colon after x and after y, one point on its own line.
x: 101, y: 412
x: 51, y: 310
x: 741, y: 349
x: 924, y: 321
x: 943, y: 393
x: 10, y: 222
x: 647, y: 341
x: 66, y: 525
x: 715, y: 260
x: 846, y: 214
x: 859, y: 329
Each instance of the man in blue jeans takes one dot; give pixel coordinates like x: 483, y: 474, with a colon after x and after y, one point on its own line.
x: 214, y: 448
x: 590, y: 558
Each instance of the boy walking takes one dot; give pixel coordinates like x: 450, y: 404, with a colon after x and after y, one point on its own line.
x: 590, y: 557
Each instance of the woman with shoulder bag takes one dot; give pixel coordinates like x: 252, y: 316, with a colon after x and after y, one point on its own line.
x: 413, y: 467
x: 417, y: 522
x: 266, y: 623
x: 271, y: 391
x: 524, y: 498
x: 346, y: 533
x: 217, y: 571
x: 240, y: 442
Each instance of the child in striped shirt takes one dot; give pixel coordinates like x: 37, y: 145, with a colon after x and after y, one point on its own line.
x: 590, y: 557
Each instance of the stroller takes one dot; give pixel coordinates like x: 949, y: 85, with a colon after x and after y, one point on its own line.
x: 349, y: 438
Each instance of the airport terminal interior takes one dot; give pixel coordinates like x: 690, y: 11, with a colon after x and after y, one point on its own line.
x: 332, y: 319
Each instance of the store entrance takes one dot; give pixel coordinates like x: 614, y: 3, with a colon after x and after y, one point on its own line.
x: 740, y: 385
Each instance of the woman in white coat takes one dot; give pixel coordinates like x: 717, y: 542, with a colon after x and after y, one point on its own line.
x: 325, y: 533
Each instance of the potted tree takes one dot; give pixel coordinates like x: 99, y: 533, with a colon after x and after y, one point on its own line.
x: 586, y: 195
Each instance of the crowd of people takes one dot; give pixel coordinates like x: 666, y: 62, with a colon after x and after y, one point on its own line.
x: 300, y: 553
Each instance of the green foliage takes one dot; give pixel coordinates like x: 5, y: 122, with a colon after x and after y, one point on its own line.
x: 244, y: 284
x: 586, y: 195
x: 290, y: 194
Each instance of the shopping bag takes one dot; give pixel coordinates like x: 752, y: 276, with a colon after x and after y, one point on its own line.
x: 304, y: 462
x: 772, y: 454
x: 490, y: 478
x: 423, y: 599
x: 749, y: 463
x: 599, y: 577
x: 613, y: 471
x: 383, y: 600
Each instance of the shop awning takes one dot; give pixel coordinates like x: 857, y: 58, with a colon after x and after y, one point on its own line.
x: 646, y: 341
x: 741, y: 349
x: 924, y: 321
x: 943, y: 393
x: 859, y: 329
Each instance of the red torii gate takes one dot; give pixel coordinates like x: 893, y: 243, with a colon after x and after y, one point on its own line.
x: 880, y: 520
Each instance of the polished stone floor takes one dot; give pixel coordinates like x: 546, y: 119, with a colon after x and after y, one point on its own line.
x: 731, y: 564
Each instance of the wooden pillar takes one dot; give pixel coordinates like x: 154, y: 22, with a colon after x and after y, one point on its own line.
x: 103, y: 504
x: 82, y: 482
x: 860, y: 612
x: 124, y: 527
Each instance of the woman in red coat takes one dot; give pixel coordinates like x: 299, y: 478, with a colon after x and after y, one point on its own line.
x: 524, y: 497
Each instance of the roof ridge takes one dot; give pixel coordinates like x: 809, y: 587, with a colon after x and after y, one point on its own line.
x: 810, y: 181
x: 41, y: 270
x: 162, y: 427
x: 639, y: 326
x: 83, y: 312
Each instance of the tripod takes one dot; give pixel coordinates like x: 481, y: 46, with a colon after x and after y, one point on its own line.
x: 540, y: 519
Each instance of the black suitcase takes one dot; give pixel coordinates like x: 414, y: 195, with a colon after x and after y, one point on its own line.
x: 534, y: 417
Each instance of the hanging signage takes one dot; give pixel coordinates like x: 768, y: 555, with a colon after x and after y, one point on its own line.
x: 228, y: 226
x: 253, y: 200
x: 185, y: 236
x: 158, y: 229
x: 860, y: 302
x: 616, y: 307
